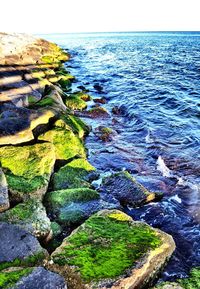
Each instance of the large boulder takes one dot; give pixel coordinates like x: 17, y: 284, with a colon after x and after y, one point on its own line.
x: 31, y: 278
x: 17, y: 124
x: 110, y: 250
x: 31, y: 216
x: 4, y: 198
x: 72, y: 206
x: 27, y: 169
x: 67, y: 144
x: 127, y: 190
x: 18, y: 247
x: 74, y: 174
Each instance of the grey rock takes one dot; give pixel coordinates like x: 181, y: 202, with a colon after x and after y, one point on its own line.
x: 4, y: 199
x: 41, y: 278
x: 16, y: 243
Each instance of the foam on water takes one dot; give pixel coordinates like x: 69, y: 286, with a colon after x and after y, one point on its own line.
x: 161, y: 166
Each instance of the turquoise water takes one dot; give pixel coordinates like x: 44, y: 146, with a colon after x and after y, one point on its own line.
x: 154, y: 79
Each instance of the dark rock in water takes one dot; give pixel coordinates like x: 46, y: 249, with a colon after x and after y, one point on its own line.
x: 127, y: 190
x: 18, y: 247
x: 100, y: 100
x: 4, y: 199
x: 98, y: 88
x: 41, y: 278
x: 98, y: 112
x: 119, y: 110
x: 105, y: 134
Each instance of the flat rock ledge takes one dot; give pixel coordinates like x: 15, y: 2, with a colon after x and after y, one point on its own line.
x: 110, y: 250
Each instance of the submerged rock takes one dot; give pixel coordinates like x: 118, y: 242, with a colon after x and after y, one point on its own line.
x: 67, y: 144
x: 98, y: 112
x: 105, y: 134
x: 127, y: 190
x: 4, y: 199
x: 18, y: 247
x: 110, y: 250
x: 31, y: 278
x: 73, y: 175
x: 27, y: 169
x: 31, y: 216
x: 71, y: 206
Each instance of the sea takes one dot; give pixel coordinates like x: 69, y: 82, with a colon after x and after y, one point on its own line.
x: 152, y: 81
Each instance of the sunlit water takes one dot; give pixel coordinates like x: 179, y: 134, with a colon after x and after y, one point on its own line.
x: 155, y: 79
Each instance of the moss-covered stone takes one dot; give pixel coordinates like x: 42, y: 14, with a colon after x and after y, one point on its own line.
x: 93, y: 248
x: 71, y: 206
x: 75, y: 103
x: 27, y: 168
x: 76, y: 124
x: 56, y: 229
x: 31, y: 216
x: 9, y: 278
x: 67, y: 144
x: 105, y: 133
x: 98, y: 112
x: 127, y: 190
x: 73, y: 175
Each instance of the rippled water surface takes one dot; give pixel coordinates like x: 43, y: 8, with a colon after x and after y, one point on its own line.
x: 155, y: 80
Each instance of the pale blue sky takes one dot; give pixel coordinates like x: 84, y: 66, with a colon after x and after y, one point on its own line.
x: 58, y: 16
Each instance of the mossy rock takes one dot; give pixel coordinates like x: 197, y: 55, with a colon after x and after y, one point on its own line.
x: 127, y: 190
x: 27, y: 169
x: 73, y: 175
x: 105, y: 133
x: 4, y: 198
x: 78, y: 126
x: 9, y: 278
x: 67, y: 144
x: 75, y: 103
x: 82, y: 95
x: 98, y: 112
x: 71, y: 206
x: 30, y: 216
x: 93, y: 248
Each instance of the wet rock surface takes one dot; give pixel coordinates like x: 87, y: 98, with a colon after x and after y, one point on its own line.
x: 4, y: 199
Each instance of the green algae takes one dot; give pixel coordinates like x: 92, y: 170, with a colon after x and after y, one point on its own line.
x: 25, y: 185
x: 78, y: 126
x: 95, y: 246
x: 62, y: 198
x: 46, y: 101
x: 29, y: 261
x: 28, y: 161
x: 67, y: 144
x: 10, y: 278
x: 72, y: 175
x: 56, y: 229
x: 193, y: 282
x: 75, y: 103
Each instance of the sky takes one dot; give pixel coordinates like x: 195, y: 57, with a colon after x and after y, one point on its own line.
x: 60, y: 16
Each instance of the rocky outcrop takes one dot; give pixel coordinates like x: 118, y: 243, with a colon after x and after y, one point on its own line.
x: 92, y: 250
x: 4, y: 199
x: 127, y: 190
x: 18, y: 247
x: 27, y: 169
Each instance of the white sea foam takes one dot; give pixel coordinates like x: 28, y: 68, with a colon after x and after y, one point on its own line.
x: 161, y: 166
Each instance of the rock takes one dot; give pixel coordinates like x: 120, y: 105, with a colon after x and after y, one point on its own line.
x: 17, y: 124
x: 98, y: 88
x: 4, y: 199
x: 27, y: 169
x: 31, y: 278
x: 31, y: 216
x: 105, y: 134
x: 98, y: 112
x: 18, y: 247
x: 100, y: 100
x: 93, y: 248
x: 76, y: 102
x: 67, y: 144
x: 73, y: 175
x: 71, y: 206
x: 126, y: 190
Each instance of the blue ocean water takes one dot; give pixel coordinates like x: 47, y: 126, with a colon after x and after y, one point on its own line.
x: 154, y: 79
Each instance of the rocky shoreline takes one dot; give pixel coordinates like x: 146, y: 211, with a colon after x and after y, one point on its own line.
x: 47, y: 186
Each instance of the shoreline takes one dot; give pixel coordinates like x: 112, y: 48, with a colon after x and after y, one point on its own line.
x: 52, y: 123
